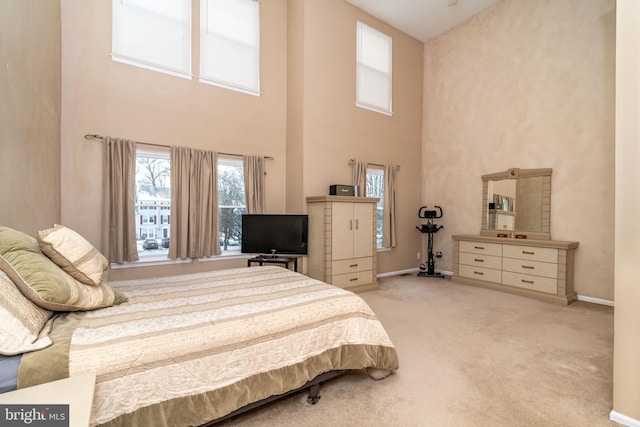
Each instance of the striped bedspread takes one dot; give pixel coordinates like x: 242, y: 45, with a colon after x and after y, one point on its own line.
x: 188, y: 349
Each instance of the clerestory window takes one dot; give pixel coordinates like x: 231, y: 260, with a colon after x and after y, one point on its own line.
x: 156, y: 35
x: 373, y: 73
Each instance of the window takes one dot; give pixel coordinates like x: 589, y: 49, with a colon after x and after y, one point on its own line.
x: 231, y: 203
x: 230, y: 44
x: 153, y: 202
x: 373, y: 74
x: 153, y: 34
x: 375, y: 188
x: 147, y: 219
x: 156, y: 35
x: 153, y: 199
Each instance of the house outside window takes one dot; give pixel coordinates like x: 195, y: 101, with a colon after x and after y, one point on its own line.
x: 153, y: 199
x: 153, y: 202
x: 375, y: 188
x: 373, y: 70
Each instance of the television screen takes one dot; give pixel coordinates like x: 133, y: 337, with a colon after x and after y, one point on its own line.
x: 274, y: 234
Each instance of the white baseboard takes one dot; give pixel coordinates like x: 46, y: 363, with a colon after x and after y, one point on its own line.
x: 595, y: 300
x: 397, y: 273
x: 623, y: 419
x: 450, y: 273
x: 409, y: 271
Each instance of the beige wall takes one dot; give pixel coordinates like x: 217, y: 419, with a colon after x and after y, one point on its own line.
x: 110, y: 98
x: 626, y: 369
x: 334, y: 130
x: 517, y: 86
x: 295, y: 112
x: 29, y: 114
x: 100, y: 96
x: 527, y: 84
x: 306, y: 117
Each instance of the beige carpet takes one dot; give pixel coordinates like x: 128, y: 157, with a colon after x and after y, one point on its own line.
x: 469, y: 357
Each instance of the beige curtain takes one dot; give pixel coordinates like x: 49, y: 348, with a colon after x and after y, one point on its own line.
x: 254, y: 184
x: 359, y: 175
x: 389, y: 217
x: 194, y: 203
x: 118, y: 203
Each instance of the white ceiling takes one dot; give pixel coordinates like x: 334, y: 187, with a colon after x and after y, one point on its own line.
x: 423, y: 19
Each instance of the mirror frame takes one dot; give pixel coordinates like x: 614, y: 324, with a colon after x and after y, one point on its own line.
x: 515, y: 173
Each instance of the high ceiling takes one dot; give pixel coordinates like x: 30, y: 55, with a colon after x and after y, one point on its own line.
x: 423, y: 19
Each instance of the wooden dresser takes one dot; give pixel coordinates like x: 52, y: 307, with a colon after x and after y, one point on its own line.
x: 539, y: 268
x: 342, y: 241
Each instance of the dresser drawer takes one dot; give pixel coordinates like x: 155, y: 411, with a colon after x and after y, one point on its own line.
x: 481, y: 260
x: 530, y: 252
x: 351, y: 265
x: 356, y: 278
x: 494, y: 249
x: 535, y: 268
x: 536, y: 283
x: 480, y: 273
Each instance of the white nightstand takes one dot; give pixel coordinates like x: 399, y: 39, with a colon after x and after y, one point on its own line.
x: 76, y: 391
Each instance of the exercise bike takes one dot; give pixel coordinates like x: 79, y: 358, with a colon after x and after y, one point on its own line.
x: 430, y: 229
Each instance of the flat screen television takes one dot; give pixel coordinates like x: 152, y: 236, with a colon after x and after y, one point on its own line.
x: 274, y: 234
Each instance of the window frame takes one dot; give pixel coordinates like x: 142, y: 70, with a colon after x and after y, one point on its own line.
x: 230, y: 161
x: 141, y: 221
x: 121, y: 52
x: 144, y: 221
x: 377, y: 170
x: 209, y: 38
x: 364, y: 33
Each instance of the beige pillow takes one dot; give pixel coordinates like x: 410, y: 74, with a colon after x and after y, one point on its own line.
x: 73, y: 254
x: 43, y: 282
x: 23, y: 325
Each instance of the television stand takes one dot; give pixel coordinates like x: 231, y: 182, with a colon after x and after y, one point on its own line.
x: 274, y: 259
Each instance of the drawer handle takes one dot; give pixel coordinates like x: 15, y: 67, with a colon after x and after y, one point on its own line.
x: 530, y: 267
x: 527, y: 281
x: 478, y: 260
x: 528, y: 252
x: 353, y: 280
x: 479, y: 247
x: 353, y: 265
x: 480, y: 273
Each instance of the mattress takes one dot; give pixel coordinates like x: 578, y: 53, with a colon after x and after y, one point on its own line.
x: 9, y: 372
x: 185, y: 350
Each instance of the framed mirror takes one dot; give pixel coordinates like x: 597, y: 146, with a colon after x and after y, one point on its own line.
x: 517, y: 203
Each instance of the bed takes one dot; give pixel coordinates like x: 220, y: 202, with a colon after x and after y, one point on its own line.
x: 192, y: 349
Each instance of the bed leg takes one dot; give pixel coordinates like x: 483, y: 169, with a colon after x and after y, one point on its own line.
x: 314, y: 394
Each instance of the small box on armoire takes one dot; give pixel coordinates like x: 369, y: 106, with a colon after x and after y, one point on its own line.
x: 341, y: 190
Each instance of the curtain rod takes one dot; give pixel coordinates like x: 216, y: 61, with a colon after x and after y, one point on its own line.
x: 353, y: 162
x: 96, y: 136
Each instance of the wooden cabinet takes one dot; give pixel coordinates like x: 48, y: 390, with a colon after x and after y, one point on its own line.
x: 501, y: 220
x: 482, y: 261
x: 538, y: 268
x: 342, y: 241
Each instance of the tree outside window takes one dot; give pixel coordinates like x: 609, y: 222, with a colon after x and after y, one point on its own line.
x: 153, y: 202
x: 231, y: 203
x: 375, y: 188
